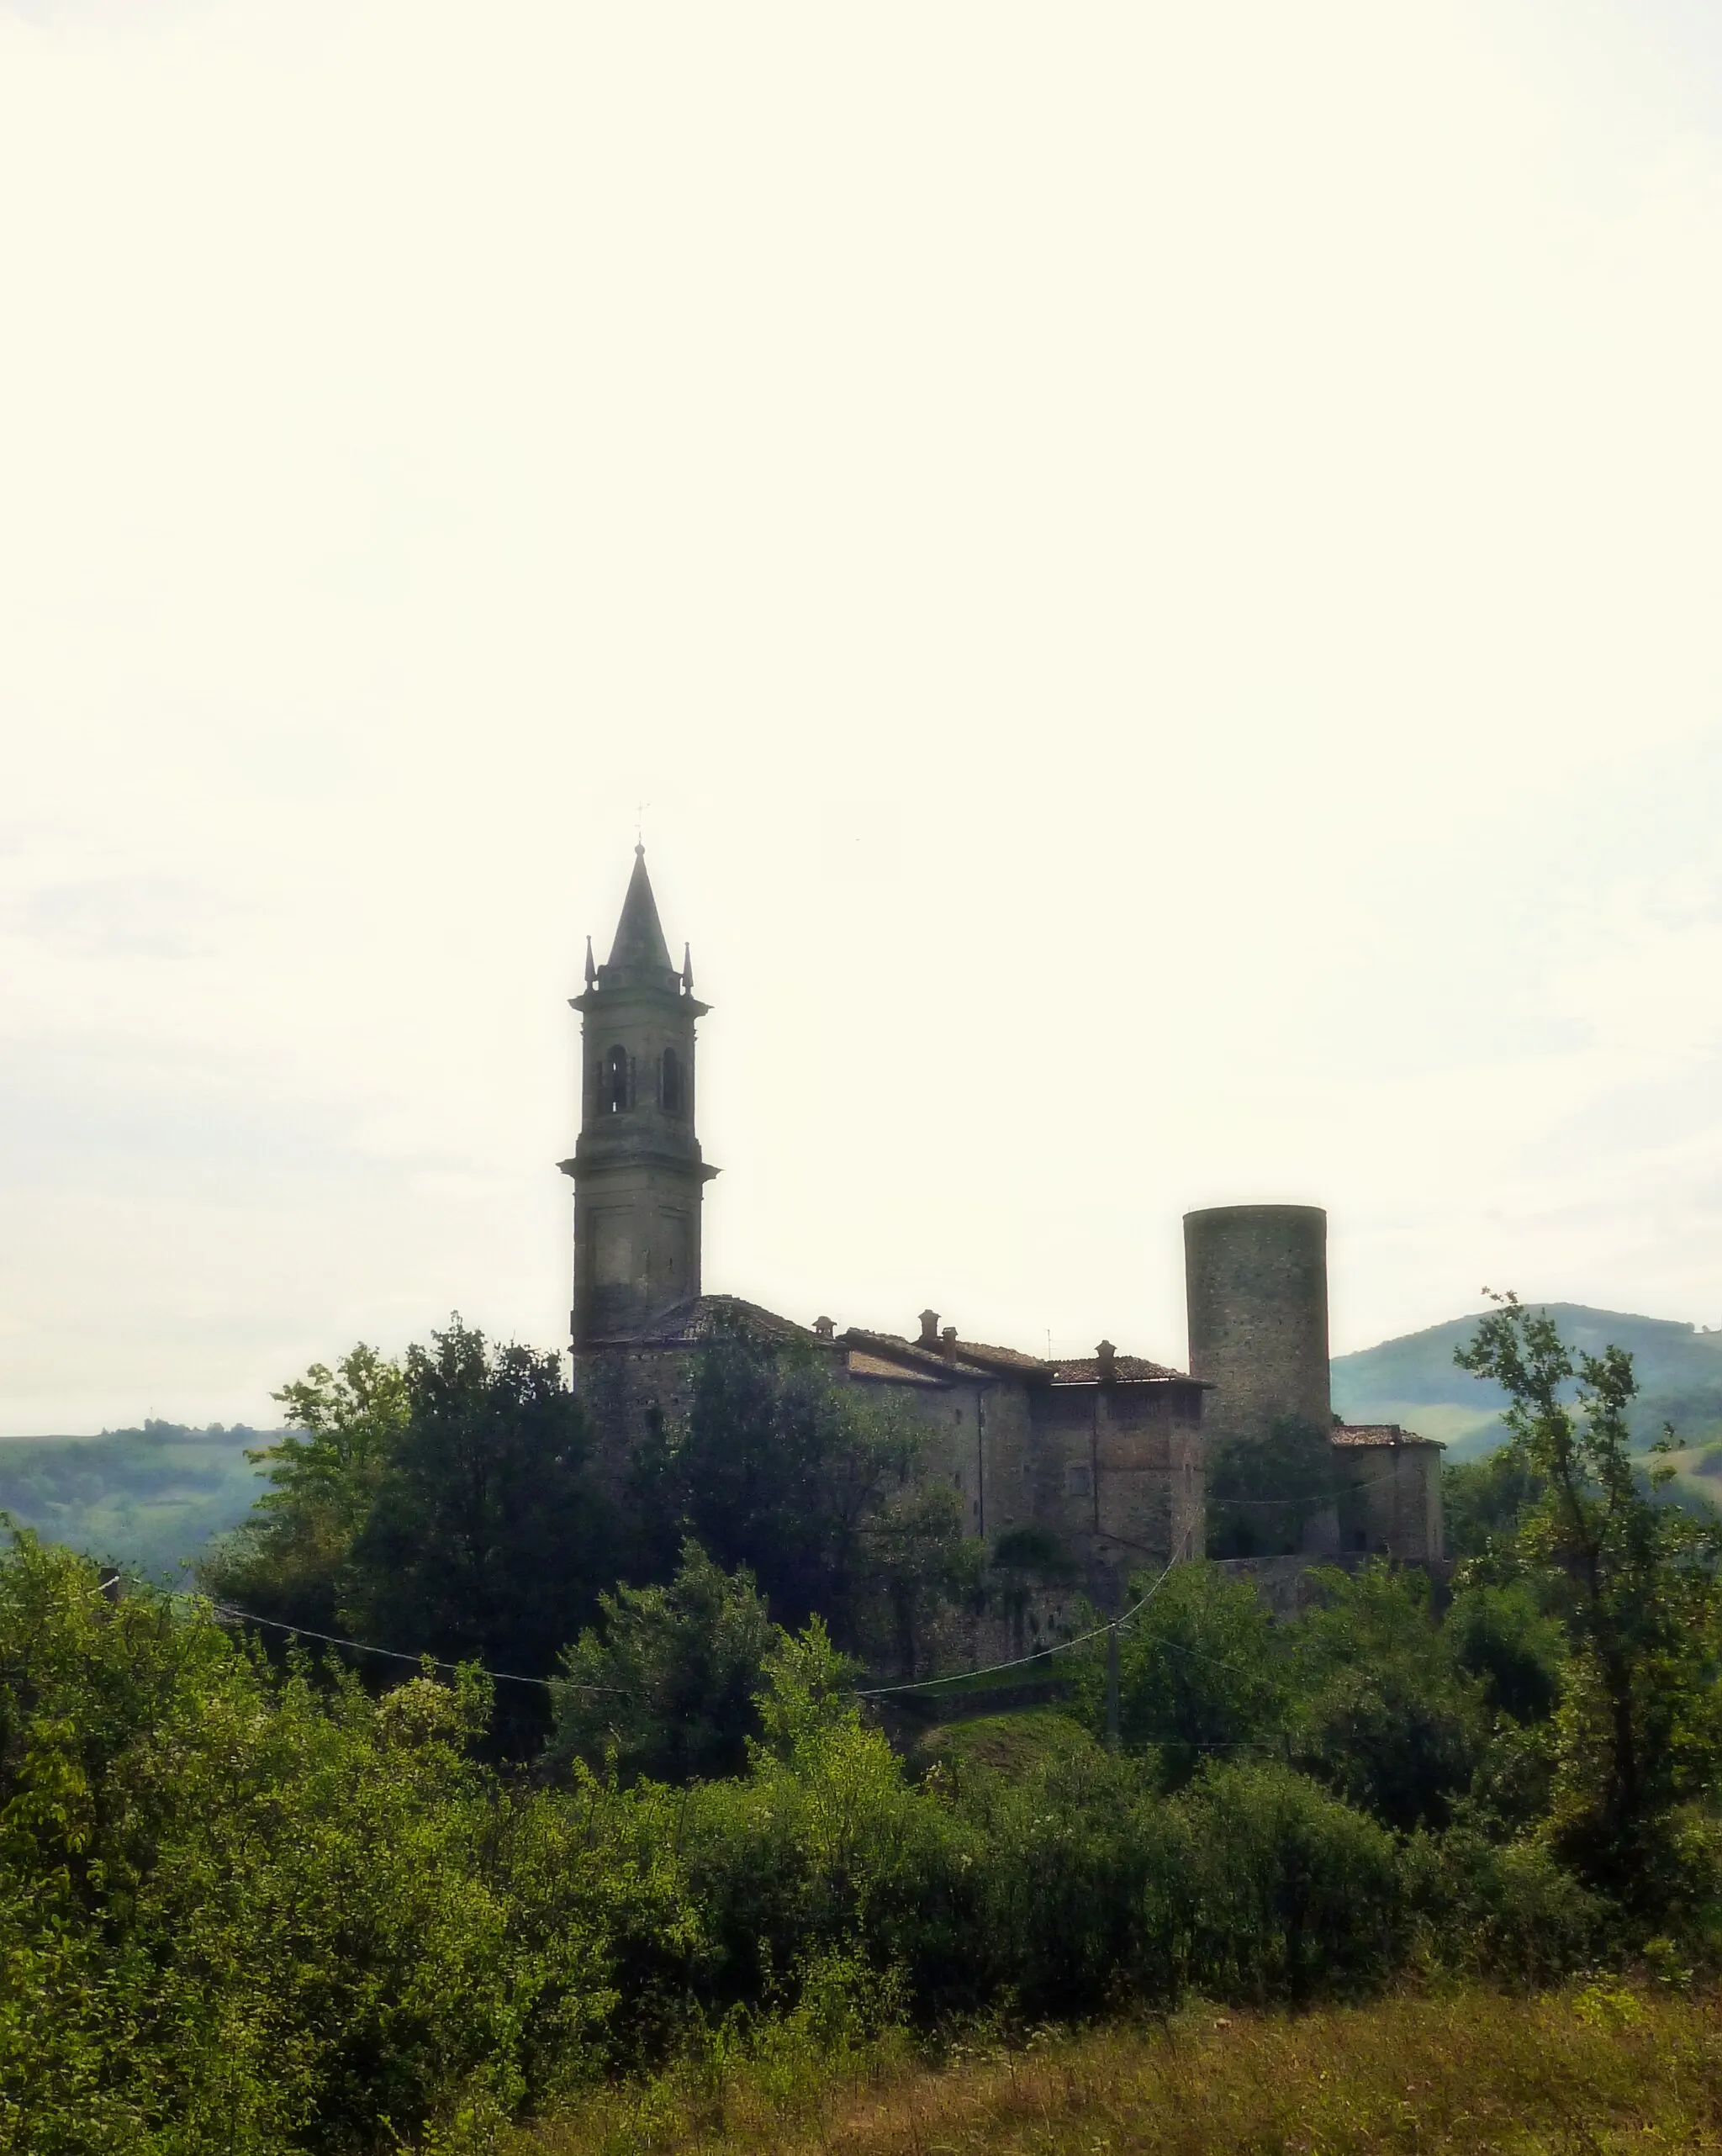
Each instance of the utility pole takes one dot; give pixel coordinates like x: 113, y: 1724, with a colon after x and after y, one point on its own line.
x: 1113, y: 1687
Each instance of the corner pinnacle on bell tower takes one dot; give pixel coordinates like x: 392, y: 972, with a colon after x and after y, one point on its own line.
x: 637, y: 1174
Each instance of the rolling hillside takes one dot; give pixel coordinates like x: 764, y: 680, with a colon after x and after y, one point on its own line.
x: 149, y: 1498
x: 1416, y: 1381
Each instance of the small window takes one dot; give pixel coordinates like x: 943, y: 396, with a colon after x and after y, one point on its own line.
x: 1078, y: 1481
x: 615, y: 1081
x: 671, y: 1091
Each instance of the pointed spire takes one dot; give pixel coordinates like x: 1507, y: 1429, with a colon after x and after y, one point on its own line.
x: 639, y: 945
x: 687, y: 969
x: 591, y: 969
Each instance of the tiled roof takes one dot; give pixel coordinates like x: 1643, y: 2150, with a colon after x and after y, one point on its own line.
x: 704, y: 1318
x: 1002, y: 1358
x: 1382, y: 1433
x: 863, y: 1364
x: 1131, y: 1369
x: 972, y: 1359
x: 907, y: 1355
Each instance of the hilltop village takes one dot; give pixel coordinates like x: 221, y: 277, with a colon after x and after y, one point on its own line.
x: 1106, y: 1455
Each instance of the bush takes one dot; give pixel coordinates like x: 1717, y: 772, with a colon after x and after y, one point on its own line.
x: 245, y: 1912
x: 1381, y: 1713
x: 1507, y: 1914
x: 1200, y: 1671
x: 666, y: 1685
x: 1265, y: 1888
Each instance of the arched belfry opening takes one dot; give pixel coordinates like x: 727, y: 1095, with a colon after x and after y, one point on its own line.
x: 638, y: 1175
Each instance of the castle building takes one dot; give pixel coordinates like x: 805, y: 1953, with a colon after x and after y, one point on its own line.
x: 1102, y: 1454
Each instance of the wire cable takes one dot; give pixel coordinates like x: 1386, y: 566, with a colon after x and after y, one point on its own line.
x: 394, y: 1654
x: 1022, y: 1662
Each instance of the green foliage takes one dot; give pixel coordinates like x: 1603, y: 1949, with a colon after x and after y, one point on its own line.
x: 1635, y: 1584
x: 1263, y: 1493
x: 242, y: 1912
x: 1502, y: 1637
x: 1382, y: 1712
x: 1201, y: 1672
x: 1507, y: 1911
x: 486, y: 1538
x: 665, y: 1683
x: 148, y: 1498
x: 288, y: 1562
x: 1277, y: 1890
x: 247, y: 1908
x: 1483, y: 1501
x: 443, y: 1505
x: 814, y: 1491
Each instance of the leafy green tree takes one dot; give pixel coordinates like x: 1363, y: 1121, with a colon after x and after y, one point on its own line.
x: 1380, y: 1709
x: 1503, y: 1637
x: 1482, y: 1501
x: 813, y: 1489
x: 245, y: 1912
x: 1201, y: 1674
x: 1636, y: 1584
x: 917, y: 1568
x: 665, y: 1682
x: 287, y: 1562
x: 487, y: 1539
x: 1263, y: 1493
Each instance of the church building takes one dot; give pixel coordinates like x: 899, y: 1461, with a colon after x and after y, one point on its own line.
x: 1102, y: 1454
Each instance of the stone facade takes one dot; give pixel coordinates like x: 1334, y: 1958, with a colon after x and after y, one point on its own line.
x: 1103, y: 1457
x: 1394, y: 1508
x: 637, y: 1166
x: 1100, y: 1460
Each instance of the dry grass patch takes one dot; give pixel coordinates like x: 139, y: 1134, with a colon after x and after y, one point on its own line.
x: 1584, y: 2073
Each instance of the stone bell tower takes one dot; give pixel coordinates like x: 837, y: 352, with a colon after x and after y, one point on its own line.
x: 637, y: 1174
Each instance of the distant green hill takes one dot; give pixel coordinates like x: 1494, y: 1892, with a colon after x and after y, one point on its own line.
x: 148, y: 1498
x: 1415, y: 1381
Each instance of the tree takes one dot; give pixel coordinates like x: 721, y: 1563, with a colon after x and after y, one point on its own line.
x: 1201, y: 1674
x: 486, y: 1538
x: 1380, y: 1709
x: 287, y: 1561
x: 811, y: 1488
x: 665, y: 1682
x: 1262, y: 1491
x: 1483, y: 1502
x: 1636, y: 1584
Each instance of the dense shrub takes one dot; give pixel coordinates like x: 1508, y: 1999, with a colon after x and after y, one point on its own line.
x: 1202, y: 1671
x: 241, y: 1911
x: 1381, y: 1712
x: 1507, y: 1912
x: 251, y: 1909
x: 664, y: 1685
x: 1269, y: 1888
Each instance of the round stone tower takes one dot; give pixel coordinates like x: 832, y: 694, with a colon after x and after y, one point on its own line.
x: 1255, y: 1280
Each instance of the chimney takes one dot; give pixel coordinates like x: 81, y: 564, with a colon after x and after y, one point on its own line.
x: 929, y: 1329
x: 824, y: 1329
x: 1105, y: 1354
x: 948, y: 1343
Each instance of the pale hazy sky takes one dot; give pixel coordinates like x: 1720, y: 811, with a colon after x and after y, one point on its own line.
x: 1155, y: 568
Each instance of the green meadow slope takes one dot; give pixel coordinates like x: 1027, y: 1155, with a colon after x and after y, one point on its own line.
x: 147, y: 1499
x: 1416, y: 1381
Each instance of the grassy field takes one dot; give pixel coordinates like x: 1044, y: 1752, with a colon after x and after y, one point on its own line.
x: 1597, y: 2070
